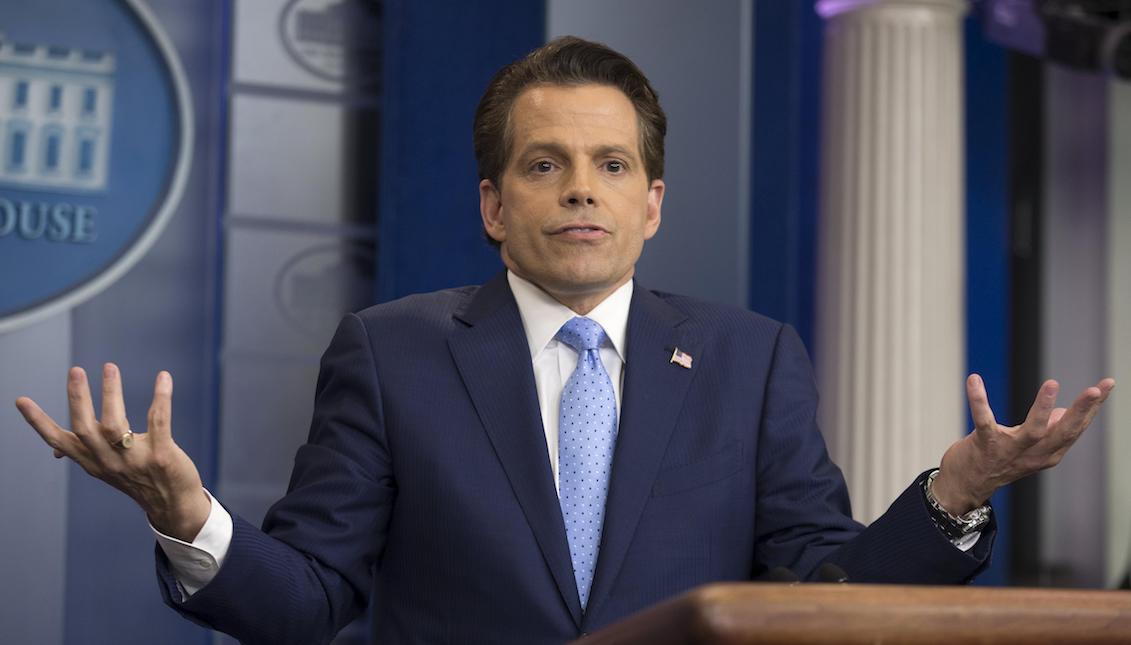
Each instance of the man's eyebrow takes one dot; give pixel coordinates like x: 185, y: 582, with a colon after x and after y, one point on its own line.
x: 549, y: 147
x: 603, y: 151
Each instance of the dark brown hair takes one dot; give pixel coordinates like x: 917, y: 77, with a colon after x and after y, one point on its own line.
x: 565, y: 61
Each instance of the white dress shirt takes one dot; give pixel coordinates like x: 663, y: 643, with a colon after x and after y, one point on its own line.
x: 195, y: 564
x: 554, y: 361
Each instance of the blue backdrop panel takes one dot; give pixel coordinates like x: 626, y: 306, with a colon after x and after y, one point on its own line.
x: 439, y: 57
x: 987, y: 247
x: 785, y: 166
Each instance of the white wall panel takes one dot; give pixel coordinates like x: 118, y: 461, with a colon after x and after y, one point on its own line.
x: 1074, y: 316
x: 286, y: 291
x: 33, y: 487
x: 260, y: 52
x: 294, y: 161
x: 257, y: 452
x: 1118, y: 445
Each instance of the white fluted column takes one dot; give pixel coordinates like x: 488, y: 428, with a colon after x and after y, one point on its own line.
x: 891, y: 305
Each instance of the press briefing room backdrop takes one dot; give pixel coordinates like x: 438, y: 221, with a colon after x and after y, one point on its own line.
x: 207, y: 186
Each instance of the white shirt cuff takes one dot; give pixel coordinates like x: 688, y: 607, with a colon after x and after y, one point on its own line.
x: 195, y: 564
x: 967, y: 542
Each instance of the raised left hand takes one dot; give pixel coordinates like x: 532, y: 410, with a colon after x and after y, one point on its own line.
x: 995, y: 455
x: 152, y: 469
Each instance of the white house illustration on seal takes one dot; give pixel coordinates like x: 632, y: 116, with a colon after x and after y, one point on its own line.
x: 56, y: 105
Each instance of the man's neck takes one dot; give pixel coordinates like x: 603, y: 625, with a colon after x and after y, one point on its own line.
x: 581, y: 303
x: 543, y: 316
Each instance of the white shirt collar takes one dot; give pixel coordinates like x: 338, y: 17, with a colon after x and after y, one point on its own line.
x: 542, y: 316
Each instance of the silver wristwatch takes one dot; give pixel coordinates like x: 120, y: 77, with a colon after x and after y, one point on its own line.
x: 954, y: 526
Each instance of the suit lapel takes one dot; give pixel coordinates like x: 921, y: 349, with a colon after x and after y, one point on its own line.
x: 493, y: 358
x: 654, y: 390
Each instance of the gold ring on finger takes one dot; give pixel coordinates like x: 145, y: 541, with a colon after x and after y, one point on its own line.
x: 125, y: 441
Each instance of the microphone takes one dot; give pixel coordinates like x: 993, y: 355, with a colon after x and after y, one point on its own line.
x: 829, y: 572
x: 779, y: 574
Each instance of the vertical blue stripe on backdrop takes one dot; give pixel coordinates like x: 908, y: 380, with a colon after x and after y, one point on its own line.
x: 785, y: 165
x: 809, y: 167
x: 987, y: 247
x: 439, y: 57
x: 223, y: 72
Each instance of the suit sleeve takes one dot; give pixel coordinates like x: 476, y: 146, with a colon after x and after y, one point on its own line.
x: 803, y: 513
x: 308, y: 572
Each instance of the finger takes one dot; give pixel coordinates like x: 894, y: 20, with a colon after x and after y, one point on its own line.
x: 83, y: 424
x: 1106, y: 386
x: 64, y: 443
x: 78, y: 402
x: 1092, y: 399
x: 161, y: 410
x: 980, y: 410
x: 1076, y: 419
x: 1055, y: 415
x: 1037, y: 421
x: 114, y: 421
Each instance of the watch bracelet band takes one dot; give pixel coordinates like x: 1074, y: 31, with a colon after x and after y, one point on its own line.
x: 953, y: 526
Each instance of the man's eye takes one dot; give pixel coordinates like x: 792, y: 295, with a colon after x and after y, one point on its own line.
x: 543, y: 166
x: 615, y: 167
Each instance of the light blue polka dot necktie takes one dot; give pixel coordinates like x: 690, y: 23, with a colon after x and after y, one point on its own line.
x: 587, y: 433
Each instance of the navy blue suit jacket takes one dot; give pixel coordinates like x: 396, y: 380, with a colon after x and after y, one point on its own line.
x: 426, y: 481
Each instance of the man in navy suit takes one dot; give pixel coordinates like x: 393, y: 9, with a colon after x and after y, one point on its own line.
x: 444, y: 460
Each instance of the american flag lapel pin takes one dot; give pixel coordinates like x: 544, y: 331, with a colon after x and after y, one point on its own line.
x: 681, y: 358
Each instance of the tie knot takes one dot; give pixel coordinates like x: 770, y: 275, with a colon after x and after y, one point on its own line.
x: 581, y: 334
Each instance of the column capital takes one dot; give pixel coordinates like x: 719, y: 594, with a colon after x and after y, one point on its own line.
x: 832, y: 8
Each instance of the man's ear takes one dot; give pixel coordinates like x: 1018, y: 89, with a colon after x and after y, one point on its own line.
x: 491, y: 210
x: 655, y: 202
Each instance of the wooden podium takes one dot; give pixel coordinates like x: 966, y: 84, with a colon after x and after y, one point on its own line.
x: 735, y: 614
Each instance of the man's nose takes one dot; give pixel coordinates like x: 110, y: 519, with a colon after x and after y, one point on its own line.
x: 578, y: 190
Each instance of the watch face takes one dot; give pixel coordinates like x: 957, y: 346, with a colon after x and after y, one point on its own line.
x: 975, y: 519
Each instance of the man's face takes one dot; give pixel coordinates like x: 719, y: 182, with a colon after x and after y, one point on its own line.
x: 575, y: 205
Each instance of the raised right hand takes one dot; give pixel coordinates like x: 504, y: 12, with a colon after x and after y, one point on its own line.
x: 153, y: 471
